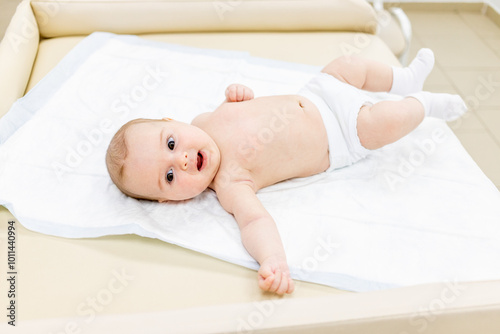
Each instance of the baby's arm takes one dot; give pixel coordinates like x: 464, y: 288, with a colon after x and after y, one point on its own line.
x: 259, y: 236
x: 238, y: 93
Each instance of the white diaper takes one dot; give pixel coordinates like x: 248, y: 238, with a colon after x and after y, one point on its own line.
x: 339, y: 105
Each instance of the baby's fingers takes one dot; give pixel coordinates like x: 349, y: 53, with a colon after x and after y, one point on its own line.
x: 266, y: 278
x: 247, y: 94
x: 240, y: 94
x: 277, y: 281
x: 266, y: 282
x: 286, y: 286
x: 231, y: 93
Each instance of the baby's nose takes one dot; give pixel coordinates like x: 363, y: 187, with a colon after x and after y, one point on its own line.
x: 183, y: 160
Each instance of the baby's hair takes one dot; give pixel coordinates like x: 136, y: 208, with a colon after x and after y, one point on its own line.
x: 117, y: 153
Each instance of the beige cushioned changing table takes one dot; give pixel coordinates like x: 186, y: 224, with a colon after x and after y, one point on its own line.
x: 129, y: 284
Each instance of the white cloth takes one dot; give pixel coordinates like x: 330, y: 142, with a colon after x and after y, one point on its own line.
x: 416, y: 211
x: 339, y: 105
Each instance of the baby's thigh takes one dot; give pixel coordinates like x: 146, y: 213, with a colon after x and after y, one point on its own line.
x: 386, y: 122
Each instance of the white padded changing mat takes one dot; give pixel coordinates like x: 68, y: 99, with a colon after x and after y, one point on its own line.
x: 416, y: 211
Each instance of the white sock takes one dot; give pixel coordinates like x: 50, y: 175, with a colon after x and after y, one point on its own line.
x: 441, y: 105
x: 411, y: 79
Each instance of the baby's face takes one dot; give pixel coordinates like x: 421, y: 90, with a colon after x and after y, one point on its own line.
x: 169, y: 160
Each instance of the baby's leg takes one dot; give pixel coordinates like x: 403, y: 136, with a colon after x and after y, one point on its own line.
x: 375, y: 76
x: 388, y: 121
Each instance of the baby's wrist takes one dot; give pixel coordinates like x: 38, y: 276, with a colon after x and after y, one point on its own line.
x: 277, y: 262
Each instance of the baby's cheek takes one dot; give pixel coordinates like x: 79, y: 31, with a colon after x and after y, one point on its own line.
x: 197, y: 187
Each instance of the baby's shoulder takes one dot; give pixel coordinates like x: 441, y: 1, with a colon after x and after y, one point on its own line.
x: 201, y: 119
x: 229, y: 189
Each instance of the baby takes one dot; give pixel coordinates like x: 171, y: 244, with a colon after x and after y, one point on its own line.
x: 249, y: 143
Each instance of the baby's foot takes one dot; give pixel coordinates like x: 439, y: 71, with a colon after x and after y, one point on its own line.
x: 440, y: 105
x: 411, y: 79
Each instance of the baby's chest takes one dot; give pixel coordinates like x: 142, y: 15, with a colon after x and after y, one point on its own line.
x: 266, y: 155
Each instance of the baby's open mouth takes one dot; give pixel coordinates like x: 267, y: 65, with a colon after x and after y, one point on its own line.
x: 200, y: 161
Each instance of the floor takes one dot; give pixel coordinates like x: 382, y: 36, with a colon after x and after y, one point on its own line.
x: 7, y: 9
x: 467, y: 48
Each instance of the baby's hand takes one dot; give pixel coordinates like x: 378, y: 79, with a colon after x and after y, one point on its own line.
x: 238, y: 93
x: 274, y: 276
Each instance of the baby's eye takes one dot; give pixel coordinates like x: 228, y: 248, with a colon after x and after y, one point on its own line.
x: 169, y: 176
x: 171, y: 143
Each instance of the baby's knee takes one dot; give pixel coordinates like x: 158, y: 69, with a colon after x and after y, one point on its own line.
x: 348, y: 69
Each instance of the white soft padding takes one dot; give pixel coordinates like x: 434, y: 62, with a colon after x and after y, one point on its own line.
x: 417, y: 211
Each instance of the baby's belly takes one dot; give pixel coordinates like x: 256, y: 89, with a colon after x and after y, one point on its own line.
x: 296, y: 146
